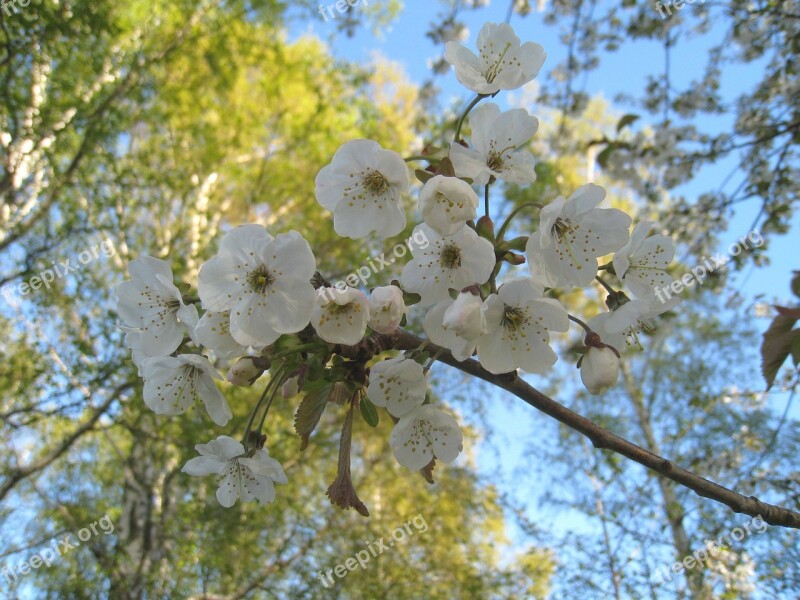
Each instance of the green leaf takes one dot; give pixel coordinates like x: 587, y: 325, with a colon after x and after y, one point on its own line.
x: 796, y: 350
x: 309, y: 413
x: 796, y: 284
x: 368, y: 411
x: 446, y: 168
x: 778, y: 342
x: 626, y: 120
x: 423, y: 176
x: 605, y: 154
x: 518, y: 243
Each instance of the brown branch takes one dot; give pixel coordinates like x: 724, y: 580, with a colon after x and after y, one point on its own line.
x: 604, y: 439
x: 20, y: 473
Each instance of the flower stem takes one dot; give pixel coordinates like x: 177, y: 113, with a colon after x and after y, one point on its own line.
x: 471, y: 105
x: 247, y: 429
x: 609, y: 289
x: 486, y: 200
x: 280, y: 380
x: 513, y: 214
x: 430, y: 159
x: 433, y: 358
x: 300, y: 348
x: 579, y: 322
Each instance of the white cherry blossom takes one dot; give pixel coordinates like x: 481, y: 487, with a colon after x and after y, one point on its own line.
x: 264, y: 281
x: 457, y: 324
x: 502, y: 62
x: 496, y: 146
x: 173, y: 383
x: 240, y: 476
x: 641, y: 263
x: 599, y: 370
x: 341, y: 316
x: 447, y: 203
x: 151, y: 303
x: 621, y: 328
x: 572, y: 235
x: 363, y: 188
x: 518, y: 321
x: 453, y: 261
x: 423, y: 434
x: 213, y: 331
x: 386, y: 308
x: 399, y: 384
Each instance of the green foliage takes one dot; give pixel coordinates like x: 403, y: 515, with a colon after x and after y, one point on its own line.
x: 170, y: 123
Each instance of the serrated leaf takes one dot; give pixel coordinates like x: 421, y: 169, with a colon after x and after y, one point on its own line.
x: 341, y: 492
x: 309, y: 413
x: 778, y: 342
x: 315, y: 385
x: 796, y: 284
x: 368, y: 411
x: 626, y: 120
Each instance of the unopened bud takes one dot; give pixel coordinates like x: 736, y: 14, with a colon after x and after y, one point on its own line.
x: 599, y: 369
x: 386, y: 309
x: 464, y: 316
x: 485, y: 228
x: 246, y: 370
x: 514, y: 259
x: 290, y: 387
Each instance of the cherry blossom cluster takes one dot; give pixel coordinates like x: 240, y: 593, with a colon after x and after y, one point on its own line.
x: 266, y: 309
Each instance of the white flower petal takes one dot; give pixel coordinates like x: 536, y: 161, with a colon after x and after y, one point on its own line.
x: 363, y: 187
x: 423, y: 433
x: 399, y: 384
x: 204, y: 465
x: 341, y: 316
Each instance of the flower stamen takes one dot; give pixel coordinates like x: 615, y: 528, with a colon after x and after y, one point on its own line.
x: 494, y: 69
x: 450, y: 257
x: 260, y: 279
x: 375, y: 183
x: 513, y: 318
